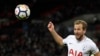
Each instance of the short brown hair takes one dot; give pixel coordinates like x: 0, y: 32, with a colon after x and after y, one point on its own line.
x: 84, y: 23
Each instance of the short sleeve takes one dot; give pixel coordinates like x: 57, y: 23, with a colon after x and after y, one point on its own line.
x: 66, y: 40
x: 94, y: 48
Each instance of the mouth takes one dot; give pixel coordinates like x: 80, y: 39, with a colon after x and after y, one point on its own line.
x: 77, y: 36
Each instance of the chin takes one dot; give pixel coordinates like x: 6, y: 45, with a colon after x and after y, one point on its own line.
x: 79, y: 37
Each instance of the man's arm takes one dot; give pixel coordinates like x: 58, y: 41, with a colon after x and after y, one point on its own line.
x: 95, y: 49
x: 57, y: 38
x: 55, y: 35
x: 97, y: 54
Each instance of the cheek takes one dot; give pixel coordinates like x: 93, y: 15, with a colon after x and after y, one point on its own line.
x: 81, y: 32
x: 75, y: 31
x: 78, y: 32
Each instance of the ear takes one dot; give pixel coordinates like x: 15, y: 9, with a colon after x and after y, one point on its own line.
x: 84, y: 31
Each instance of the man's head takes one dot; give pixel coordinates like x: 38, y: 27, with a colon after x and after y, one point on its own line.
x: 80, y: 27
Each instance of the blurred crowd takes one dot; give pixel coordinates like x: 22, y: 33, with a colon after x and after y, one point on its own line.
x: 27, y: 39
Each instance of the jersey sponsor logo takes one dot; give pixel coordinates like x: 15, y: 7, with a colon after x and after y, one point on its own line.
x: 75, y: 53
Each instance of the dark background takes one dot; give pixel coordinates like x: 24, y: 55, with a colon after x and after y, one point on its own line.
x: 31, y: 37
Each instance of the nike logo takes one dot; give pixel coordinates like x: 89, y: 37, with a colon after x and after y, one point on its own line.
x: 70, y: 43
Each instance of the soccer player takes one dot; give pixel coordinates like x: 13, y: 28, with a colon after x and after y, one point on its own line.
x: 78, y: 44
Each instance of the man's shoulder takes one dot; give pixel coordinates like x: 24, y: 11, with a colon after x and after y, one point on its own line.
x: 89, y: 40
x: 71, y: 36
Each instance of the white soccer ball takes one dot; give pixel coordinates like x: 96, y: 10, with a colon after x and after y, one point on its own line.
x: 22, y: 11
x: 92, y: 55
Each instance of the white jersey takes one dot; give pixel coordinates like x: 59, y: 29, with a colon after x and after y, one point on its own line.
x: 80, y: 48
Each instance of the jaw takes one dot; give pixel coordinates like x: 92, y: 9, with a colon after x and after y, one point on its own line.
x: 79, y: 37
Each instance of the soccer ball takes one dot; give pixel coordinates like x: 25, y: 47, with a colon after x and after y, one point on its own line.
x: 22, y: 11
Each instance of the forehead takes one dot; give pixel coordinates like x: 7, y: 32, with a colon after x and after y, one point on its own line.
x: 78, y: 25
